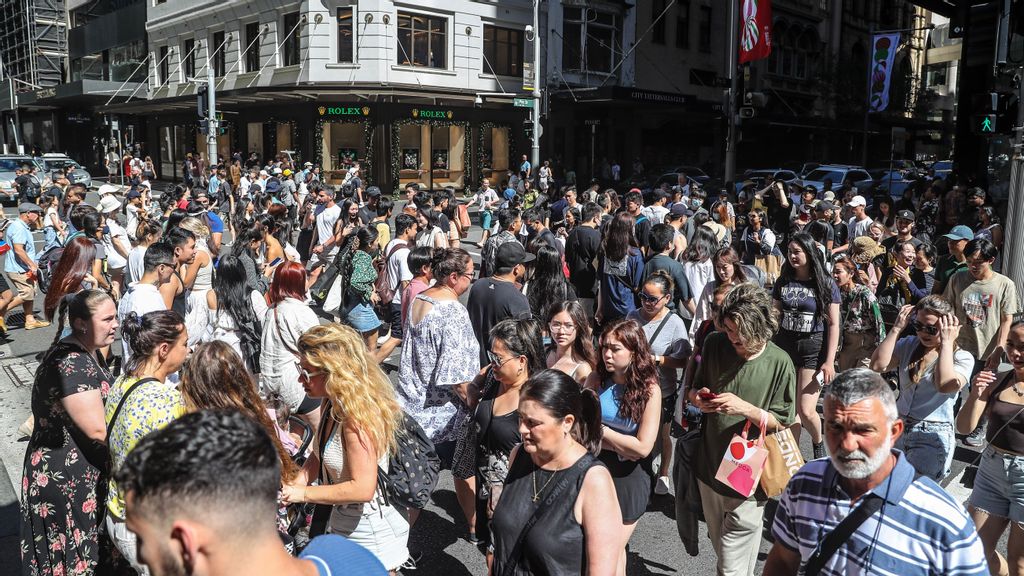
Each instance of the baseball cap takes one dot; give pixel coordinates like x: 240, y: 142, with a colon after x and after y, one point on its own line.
x: 308, y: 164
x: 976, y: 191
x: 372, y: 191
x: 825, y: 205
x: 26, y: 207
x: 905, y: 215
x: 680, y: 209
x: 960, y: 232
x: 277, y: 171
x: 108, y: 204
x: 511, y: 253
x: 287, y: 172
x: 107, y: 189
x: 857, y: 201
x: 264, y: 173
x: 133, y: 194
x: 830, y: 196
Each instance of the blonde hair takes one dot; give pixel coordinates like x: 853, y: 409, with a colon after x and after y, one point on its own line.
x: 195, y: 226
x: 360, y: 393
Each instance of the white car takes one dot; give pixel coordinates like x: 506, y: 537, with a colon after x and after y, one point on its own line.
x: 837, y: 174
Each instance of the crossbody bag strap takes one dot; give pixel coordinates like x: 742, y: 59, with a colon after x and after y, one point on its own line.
x: 321, y: 512
x: 841, y: 533
x: 552, y: 497
x: 654, y: 337
x: 120, y: 403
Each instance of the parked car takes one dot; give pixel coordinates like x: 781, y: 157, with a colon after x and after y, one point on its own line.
x: 671, y: 176
x: 808, y: 167
x: 895, y: 182
x: 761, y: 177
x: 942, y: 168
x: 8, y: 164
x: 60, y: 162
x: 838, y: 173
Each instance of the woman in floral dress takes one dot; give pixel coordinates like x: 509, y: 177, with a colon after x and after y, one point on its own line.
x: 66, y: 463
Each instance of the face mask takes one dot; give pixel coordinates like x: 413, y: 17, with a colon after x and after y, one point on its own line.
x: 106, y: 229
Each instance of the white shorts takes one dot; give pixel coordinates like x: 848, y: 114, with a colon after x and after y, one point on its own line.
x: 382, y: 530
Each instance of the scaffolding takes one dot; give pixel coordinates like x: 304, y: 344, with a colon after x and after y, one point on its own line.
x: 34, y: 42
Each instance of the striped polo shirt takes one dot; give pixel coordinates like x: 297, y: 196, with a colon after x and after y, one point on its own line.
x: 919, y: 529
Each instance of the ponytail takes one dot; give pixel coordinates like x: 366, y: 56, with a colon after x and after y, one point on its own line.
x: 588, y: 430
x: 561, y: 396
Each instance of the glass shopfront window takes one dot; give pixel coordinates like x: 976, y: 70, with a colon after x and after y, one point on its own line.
x: 494, y: 161
x: 125, y: 62
x: 432, y: 154
x: 343, y: 145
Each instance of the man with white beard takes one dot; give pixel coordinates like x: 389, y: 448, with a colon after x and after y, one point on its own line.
x: 864, y: 509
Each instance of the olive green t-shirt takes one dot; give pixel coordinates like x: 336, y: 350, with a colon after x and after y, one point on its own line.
x: 768, y: 382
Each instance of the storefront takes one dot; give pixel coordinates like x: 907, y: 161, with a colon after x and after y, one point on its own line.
x: 343, y: 137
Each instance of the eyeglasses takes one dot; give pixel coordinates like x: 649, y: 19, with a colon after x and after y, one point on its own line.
x: 565, y: 328
x: 929, y: 329
x: 306, y: 374
x: 648, y: 299
x: 498, y: 362
x: 467, y: 275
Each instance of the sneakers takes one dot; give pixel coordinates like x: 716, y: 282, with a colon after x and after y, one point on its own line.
x: 410, y: 562
x: 35, y: 324
x: 819, y: 450
x: 662, y: 486
x: 976, y: 438
x: 26, y: 427
x: 3, y: 325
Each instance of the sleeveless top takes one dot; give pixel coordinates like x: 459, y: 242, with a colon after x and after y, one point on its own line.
x: 555, y: 543
x: 204, y: 277
x: 1005, y: 426
x: 610, y: 397
x: 180, y: 302
x: 333, y: 463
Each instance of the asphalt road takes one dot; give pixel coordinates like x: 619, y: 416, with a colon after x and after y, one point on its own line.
x: 440, y: 532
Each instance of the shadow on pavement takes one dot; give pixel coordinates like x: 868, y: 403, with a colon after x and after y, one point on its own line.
x: 10, y: 545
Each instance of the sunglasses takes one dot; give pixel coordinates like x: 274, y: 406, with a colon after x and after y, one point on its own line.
x: 931, y: 330
x: 498, y: 362
x: 648, y: 299
x: 306, y: 374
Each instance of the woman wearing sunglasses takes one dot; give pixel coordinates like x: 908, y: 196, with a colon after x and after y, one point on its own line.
x: 670, y: 345
x: 932, y: 369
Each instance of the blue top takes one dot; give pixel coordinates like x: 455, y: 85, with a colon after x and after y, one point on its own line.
x: 215, y: 223
x: 213, y: 186
x: 610, y: 398
x: 920, y: 529
x: 18, y: 233
x: 336, y: 555
x: 618, y: 281
x: 922, y: 401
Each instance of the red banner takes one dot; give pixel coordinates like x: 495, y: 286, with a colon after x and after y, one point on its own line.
x: 755, y: 30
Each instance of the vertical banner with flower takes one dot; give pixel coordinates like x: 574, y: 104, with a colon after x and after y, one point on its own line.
x: 756, y: 30
x: 883, y: 51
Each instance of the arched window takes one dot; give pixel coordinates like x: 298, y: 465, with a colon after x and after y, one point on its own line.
x: 779, y: 31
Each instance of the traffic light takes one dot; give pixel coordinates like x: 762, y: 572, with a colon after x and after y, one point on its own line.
x: 204, y: 126
x: 201, y: 100
x: 994, y: 113
x: 528, y: 128
x: 755, y: 99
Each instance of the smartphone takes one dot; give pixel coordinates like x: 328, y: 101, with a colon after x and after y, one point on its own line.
x: 707, y: 395
x: 276, y: 262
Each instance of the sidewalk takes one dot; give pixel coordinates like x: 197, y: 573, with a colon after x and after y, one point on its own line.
x: 10, y: 524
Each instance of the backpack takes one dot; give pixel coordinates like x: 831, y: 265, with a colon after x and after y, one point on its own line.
x: 412, y: 470
x: 383, y: 284
x: 48, y: 265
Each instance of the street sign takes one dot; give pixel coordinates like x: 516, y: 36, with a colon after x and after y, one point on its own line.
x: 592, y: 122
x: 522, y: 102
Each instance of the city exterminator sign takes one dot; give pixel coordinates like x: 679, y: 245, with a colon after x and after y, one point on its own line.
x: 344, y: 110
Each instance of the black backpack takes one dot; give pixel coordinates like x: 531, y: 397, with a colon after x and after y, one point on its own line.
x: 412, y: 470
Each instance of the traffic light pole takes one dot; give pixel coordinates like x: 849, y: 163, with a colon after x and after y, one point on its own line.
x: 1013, y: 246
x: 730, y: 101
x: 212, y: 125
x: 537, y: 74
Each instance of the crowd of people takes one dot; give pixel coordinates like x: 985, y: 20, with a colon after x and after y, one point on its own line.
x: 219, y: 373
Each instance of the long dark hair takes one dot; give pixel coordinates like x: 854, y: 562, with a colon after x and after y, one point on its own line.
x: 702, y: 246
x: 75, y: 262
x: 619, y: 237
x: 233, y: 297
x: 819, y: 275
x: 145, y: 333
x: 561, y: 396
x: 642, y: 372
x: 548, y: 285
x: 583, y: 345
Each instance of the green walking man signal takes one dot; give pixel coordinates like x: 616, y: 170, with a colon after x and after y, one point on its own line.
x: 988, y: 123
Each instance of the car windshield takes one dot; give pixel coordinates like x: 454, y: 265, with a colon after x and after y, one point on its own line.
x: 942, y: 166
x: 10, y: 164
x: 60, y: 163
x: 821, y: 175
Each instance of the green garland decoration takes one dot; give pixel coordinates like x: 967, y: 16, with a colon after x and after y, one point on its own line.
x: 368, y: 127
x: 482, y: 130
x: 396, y: 151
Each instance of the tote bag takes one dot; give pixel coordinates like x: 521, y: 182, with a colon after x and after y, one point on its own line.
x: 743, y: 461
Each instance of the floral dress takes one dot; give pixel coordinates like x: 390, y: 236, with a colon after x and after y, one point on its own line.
x: 64, y: 485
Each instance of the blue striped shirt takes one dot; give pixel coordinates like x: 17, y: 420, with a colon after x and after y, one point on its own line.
x: 920, y: 529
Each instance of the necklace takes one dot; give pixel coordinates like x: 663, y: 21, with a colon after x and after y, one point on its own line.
x: 536, y: 493
x: 1018, y: 391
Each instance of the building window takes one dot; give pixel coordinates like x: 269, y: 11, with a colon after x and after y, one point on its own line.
x: 591, y: 40
x: 704, y: 41
x: 422, y: 40
x: 162, y: 70
x: 218, y: 54
x: 252, y: 47
x: 503, y: 51
x: 126, y: 60
x: 346, y: 36
x: 188, y: 52
x: 683, y: 26
x: 657, y: 21
x: 290, y: 55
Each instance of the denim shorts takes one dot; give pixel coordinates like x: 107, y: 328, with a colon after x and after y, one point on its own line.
x: 999, y: 485
x: 928, y: 446
x: 807, y: 350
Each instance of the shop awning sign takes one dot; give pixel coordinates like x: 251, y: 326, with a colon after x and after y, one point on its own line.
x: 344, y: 110
x: 432, y: 114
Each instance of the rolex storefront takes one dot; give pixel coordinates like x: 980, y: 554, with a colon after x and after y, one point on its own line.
x: 396, y: 144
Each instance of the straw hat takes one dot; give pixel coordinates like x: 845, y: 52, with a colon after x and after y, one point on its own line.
x: 865, y: 249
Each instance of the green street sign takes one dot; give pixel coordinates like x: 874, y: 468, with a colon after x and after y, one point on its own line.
x: 522, y: 102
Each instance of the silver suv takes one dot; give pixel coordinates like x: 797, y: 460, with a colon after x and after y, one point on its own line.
x: 837, y: 174
x: 8, y: 164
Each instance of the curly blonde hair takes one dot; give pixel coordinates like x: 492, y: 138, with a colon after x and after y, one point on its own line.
x: 360, y: 393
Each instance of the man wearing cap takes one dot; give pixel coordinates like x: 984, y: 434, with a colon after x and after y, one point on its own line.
x: 368, y: 211
x: 634, y: 203
x: 20, y: 263
x: 678, y: 217
x: 821, y: 228
x: 904, y: 231
x: 136, y: 206
x: 950, y: 264
x: 200, y: 208
x: 510, y: 221
x: 860, y: 222
x: 499, y: 297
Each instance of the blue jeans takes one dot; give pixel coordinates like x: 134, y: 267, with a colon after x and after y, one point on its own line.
x: 999, y: 485
x: 928, y: 446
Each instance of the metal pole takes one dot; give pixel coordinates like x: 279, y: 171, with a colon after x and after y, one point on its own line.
x: 1013, y: 249
x: 535, y: 155
x: 211, y: 137
x: 730, y: 110
x: 867, y: 96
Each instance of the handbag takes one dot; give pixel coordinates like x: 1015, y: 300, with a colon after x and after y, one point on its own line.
x: 771, y: 265
x: 784, y: 460
x: 743, y: 461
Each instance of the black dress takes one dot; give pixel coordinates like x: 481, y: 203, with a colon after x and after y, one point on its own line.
x: 64, y: 489
x: 556, y: 543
